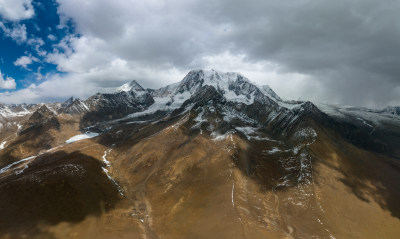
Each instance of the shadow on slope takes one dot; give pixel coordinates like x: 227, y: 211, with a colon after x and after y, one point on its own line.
x: 369, y: 176
x: 55, y: 188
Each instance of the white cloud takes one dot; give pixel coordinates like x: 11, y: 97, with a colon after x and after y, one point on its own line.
x: 38, y: 73
x: 24, y: 61
x: 37, y: 43
x: 51, y: 37
x: 17, y: 32
x: 56, y: 87
x: 7, y: 83
x: 16, y: 10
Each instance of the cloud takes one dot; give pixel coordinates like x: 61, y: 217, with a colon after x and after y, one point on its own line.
x: 17, y: 32
x: 59, y: 87
x: 37, y: 43
x: 51, y: 37
x: 24, y: 61
x: 7, y: 83
x: 315, y: 50
x: 344, y: 52
x: 16, y: 10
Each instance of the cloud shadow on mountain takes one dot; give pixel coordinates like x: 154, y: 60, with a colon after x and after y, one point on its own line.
x: 55, y: 188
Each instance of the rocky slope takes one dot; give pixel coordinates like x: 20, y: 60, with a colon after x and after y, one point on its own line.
x: 213, y: 156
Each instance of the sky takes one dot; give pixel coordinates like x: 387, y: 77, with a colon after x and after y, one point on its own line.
x: 343, y: 52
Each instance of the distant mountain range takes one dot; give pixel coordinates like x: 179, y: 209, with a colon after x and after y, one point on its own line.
x: 212, y: 156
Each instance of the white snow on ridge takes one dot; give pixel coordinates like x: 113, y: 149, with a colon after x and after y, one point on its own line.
x: 15, y: 163
x: 365, y: 115
x: 289, y: 105
x: 365, y: 122
x: 178, y: 99
x: 105, y: 161
x: 199, y: 120
x: 219, y: 137
x: 221, y: 82
x: 159, y: 104
x: 233, y: 191
x: 266, y: 90
x: 275, y: 150
x: 173, y: 96
x: 251, y: 134
x: 23, y: 164
x: 6, y: 112
x: 132, y: 86
x: 87, y: 135
x: 177, y: 94
x: 247, y: 130
x: 3, y: 144
x: 108, y: 165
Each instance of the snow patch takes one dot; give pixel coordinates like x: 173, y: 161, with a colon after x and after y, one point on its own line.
x: 3, y: 144
x: 233, y: 190
x: 6, y: 112
x: 370, y: 116
x: 306, y: 134
x: 275, y: 150
x: 160, y: 104
x: 178, y: 99
x: 199, y: 120
x: 15, y: 163
x: 108, y: 165
x: 219, y: 137
x: 79, y: 137
x: 247, y: 130
x: 365, y: 122
x: 251, y: 134
x: 132, y: 86
x: 17, y: 172
x: 105, y: 161
x: 29, y: 159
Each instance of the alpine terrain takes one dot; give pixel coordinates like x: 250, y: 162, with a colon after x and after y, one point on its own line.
x: 213, y: 156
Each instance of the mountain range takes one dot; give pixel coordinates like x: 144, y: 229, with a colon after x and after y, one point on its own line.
x: 212, y: 156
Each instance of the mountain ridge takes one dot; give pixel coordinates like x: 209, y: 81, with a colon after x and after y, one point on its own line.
x: 211, y: 156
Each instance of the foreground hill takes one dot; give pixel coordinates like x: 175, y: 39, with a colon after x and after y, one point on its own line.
x: 213, y: 156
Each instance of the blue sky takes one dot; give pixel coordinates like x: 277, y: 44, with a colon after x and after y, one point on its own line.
x: 43, y: 32
x: 341, y: 52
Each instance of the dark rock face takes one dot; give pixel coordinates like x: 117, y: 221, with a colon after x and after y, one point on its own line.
x: 41, y: 116
x: 191, y: 81
x: 392, y: 110
x: 68, y: 102
x: 74, y: 106
x: 206, y: 94
x: 113, y: 106
x: 39, y: 124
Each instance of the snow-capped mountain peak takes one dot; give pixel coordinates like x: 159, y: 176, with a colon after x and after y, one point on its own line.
x: 233, y: 86
x: 130, y: 86
x: 220, y: 80
x: 68, y: 102
x: 74, y: 106
x: 266, y: 90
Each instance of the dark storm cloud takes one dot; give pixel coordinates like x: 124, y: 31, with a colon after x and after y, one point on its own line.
x: 351, y: 47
